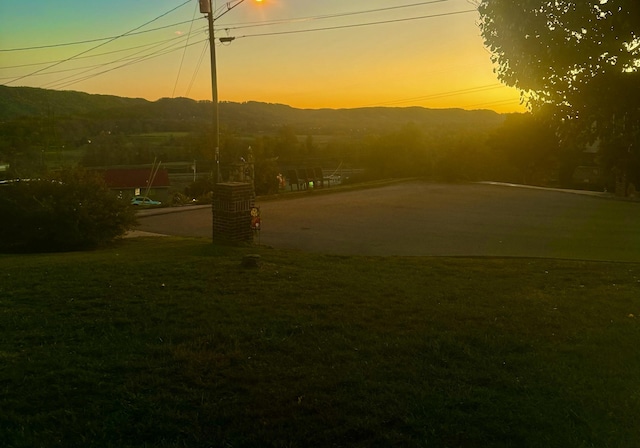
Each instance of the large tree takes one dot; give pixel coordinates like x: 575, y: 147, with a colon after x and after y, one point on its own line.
x: 577, y: 62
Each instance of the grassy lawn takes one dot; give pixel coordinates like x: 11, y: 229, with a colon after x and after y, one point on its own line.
x: 169, y: 342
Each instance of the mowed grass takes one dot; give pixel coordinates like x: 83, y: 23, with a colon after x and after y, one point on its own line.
x: 169, y: 342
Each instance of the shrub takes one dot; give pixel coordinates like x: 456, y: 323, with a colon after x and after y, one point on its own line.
x: 71, y: 210
x: 180, y: 199
x: 200, y: 187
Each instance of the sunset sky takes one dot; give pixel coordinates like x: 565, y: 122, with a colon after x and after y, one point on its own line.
x: 304, y: 53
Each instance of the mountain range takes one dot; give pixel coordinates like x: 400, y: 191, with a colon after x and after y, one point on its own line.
x: 183, y: 114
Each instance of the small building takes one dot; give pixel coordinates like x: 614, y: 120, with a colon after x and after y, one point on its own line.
x: 130, y: 182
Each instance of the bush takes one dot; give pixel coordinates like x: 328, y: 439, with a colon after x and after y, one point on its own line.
x: 200, y: 187
x: 180, y: 199
x: 72, y: 210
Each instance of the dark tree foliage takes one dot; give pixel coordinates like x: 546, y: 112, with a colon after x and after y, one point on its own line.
x: 528, y: 145
x: 266, y: 168
x: 578, y: 63
x: 199, y: 189
x: 288, y: 146
x: 439, y: 156
x: 401, y: 153
x: 71, y: 210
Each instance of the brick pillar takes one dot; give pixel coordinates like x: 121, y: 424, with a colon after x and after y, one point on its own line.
x: 232, y: 202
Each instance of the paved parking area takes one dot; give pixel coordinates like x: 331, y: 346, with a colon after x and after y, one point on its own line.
x: 424, y: 219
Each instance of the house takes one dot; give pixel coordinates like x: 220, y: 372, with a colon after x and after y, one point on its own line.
x: 130, y: 182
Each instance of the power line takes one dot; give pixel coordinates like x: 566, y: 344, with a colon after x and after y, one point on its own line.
x: 357, y: 25
x: 92, y: 55
x: 97, y: 46
x: 227, y: 27
x: 495, y: 103
x: 83, y: 54
x: 123, y: 59
x: 129, y: 60
x: 439, y: 95
x: 175, y: 85
x: 325, y: 16
x: 136, y: 61
x: 195, y: 72
x: 98, y: 39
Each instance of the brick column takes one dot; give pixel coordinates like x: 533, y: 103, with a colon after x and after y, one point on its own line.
x: 232, y: 202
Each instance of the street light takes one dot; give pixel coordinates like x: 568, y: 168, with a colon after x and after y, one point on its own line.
x: 206, y: 8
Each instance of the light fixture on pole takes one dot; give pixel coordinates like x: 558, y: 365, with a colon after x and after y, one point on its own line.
x: 206, y: 8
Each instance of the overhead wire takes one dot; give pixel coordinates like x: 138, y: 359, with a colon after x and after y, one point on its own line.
x: 175, y: 85
x: 97, y: 46
x: 439, y: 95
x: 129, y: 60
x: 325, y: 16
x: 136, y: 61
x: 98, y: 39
x: 357, y: 25
x: 94, y: 66
x: 226, y: 27
x: 197, y: 70
x: 221, y: 8
x: 89, y: 56
x: 495, y: 103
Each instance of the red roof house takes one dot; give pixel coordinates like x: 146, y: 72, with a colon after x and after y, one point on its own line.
x: 138, y: 182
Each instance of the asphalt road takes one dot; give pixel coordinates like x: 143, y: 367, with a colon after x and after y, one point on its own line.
x: 423, y: 219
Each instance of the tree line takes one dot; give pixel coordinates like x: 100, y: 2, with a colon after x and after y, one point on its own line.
x: 445, y: 145
x: 521, y: 149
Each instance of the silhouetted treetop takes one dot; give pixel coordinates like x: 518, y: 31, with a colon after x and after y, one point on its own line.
x: 579, y: 64
x: 557, y: 50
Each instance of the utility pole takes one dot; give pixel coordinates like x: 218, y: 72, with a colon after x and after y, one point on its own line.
x: 231, y: 201
x: 206, y: 8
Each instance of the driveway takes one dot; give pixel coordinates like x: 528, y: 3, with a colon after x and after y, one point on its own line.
x: 424, y: 219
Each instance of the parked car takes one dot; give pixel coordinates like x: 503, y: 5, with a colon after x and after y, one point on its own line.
x: 143, y: 200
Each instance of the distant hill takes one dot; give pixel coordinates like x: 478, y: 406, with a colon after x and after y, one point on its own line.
x: 182, y: 114
x: 357, y: 120
x: 16, y: 102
